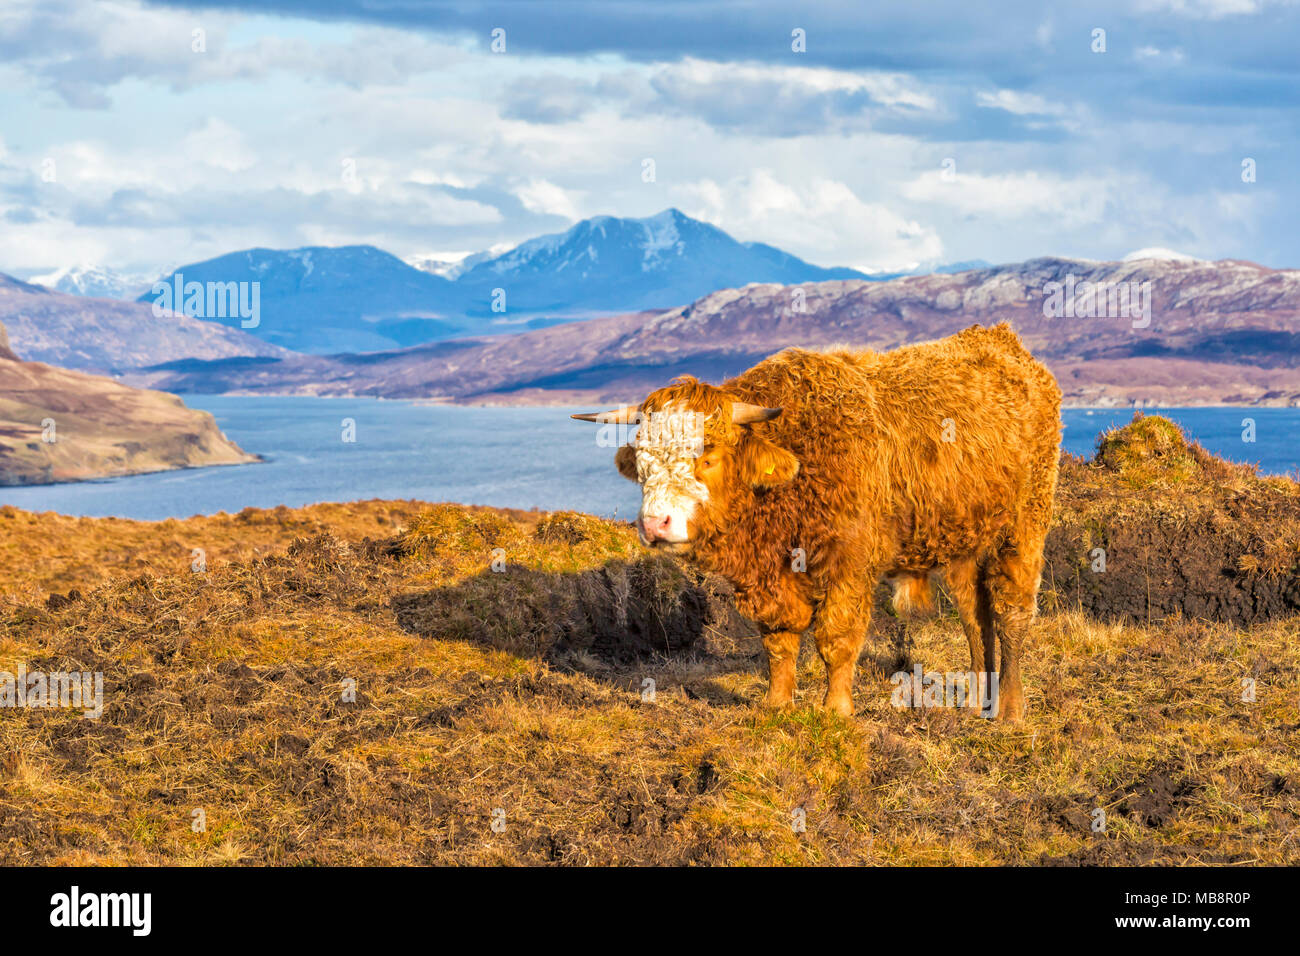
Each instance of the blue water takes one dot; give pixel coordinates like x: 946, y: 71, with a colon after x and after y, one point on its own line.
x: 514, y: 457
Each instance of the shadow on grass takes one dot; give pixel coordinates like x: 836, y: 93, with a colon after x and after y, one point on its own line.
x: 613, y: 623
x: 619, y: 622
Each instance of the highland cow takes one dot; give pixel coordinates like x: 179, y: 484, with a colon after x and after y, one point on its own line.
x: 808, y: 478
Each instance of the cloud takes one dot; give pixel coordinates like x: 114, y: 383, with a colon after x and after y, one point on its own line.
x: 822, y: 216
x: 205, y: 196
x: 784, y: 101
x: 548, y: 199
x: 1021, y: 104
x: 219, y: 144
x: 779, y: 101
x: 1153, y: 54
x: 81, y: 50
x: 1008, y: 196
x: 831, y: 154
x: 550, y: 98
x: 1204, y: 9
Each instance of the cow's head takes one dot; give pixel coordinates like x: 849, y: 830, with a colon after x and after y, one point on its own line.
x: 698, y: 458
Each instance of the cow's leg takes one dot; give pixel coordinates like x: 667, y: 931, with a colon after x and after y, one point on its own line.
x: 966, y: 585
x: 1012, y: 579
x: 841, y: 628
x: 784, y: 616
x: 1013, y: 589
x: 782, y: 658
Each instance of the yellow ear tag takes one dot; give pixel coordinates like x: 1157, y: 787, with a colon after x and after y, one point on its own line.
x: 770, y: 469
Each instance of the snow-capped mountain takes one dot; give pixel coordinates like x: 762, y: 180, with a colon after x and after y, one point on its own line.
x: 97, y: 281
x: 607, y: 264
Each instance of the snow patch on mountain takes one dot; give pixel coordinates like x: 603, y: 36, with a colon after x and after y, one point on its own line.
x: 97, y: 281
x: 303, y: 257
x: 1161, y: 254
x: 661, y: 237
x: 453, y: 265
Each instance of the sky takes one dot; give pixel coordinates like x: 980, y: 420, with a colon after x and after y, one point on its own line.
x: 882, y: 136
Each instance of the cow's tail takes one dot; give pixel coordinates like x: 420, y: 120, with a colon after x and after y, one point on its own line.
x: 913, y: 595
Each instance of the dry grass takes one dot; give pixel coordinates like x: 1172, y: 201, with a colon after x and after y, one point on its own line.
x: 522, y: 689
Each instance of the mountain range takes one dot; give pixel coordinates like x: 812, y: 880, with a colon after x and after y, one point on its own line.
x: 323, y: 300
x: 1224, y: 332
x: 326, y: 300
x: 669, y: 295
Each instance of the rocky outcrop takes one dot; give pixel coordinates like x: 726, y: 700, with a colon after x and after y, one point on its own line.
x: 62, y: 425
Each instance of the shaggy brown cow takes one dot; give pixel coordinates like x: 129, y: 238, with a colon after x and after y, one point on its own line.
x: 807, y: 478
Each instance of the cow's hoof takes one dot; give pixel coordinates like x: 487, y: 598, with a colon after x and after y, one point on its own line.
x: 1011, y: 710
x: 839, y: 705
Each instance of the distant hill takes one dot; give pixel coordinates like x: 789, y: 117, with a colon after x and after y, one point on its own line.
x: 345, y: 299
x: 359, y: 298
x: 108, y: 335
x: 61, y: 425
x: 1219, y: 333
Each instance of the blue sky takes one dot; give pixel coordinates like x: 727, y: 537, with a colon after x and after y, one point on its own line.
x: 904, y: 134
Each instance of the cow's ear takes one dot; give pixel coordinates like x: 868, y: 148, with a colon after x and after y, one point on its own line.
x: 625, y: 461
x: 763, y: 464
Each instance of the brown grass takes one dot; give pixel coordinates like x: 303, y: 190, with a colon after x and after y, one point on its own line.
x: 521, y: 689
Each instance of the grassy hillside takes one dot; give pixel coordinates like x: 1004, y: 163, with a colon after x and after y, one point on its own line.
x: 62, y: 425
x: 522, y: 689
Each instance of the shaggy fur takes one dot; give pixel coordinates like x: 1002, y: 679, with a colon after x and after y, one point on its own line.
x: 938, y: 456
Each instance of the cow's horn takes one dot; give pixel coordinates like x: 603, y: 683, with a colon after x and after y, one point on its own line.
x: 743, y: 413
x: 627, y: 415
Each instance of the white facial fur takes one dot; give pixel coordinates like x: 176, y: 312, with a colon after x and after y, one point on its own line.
x: 667, y: 446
